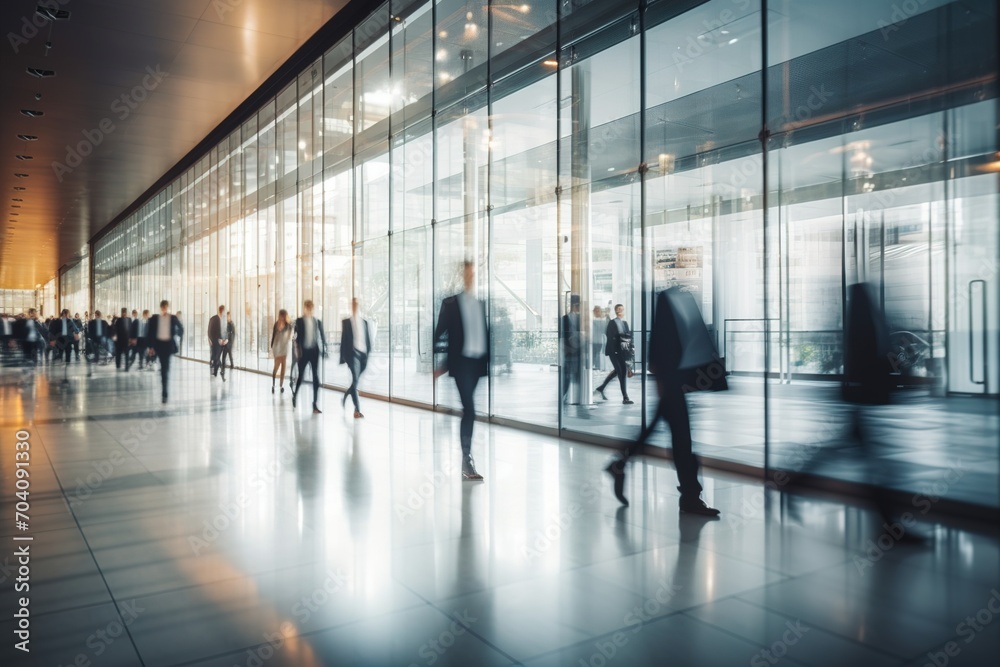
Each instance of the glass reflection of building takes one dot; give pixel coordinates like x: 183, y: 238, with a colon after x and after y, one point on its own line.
x: 605, y: 151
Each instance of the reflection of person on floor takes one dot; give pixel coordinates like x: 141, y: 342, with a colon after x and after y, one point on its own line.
x: 572, y: 341
x: 672, y: 342
x: 619, y: 349
x: 462, y: 324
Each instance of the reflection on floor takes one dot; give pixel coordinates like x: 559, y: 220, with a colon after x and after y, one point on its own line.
x: 229, y: 529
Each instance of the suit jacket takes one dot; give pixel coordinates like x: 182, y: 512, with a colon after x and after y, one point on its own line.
x: 94, y: 333
x: 134, y: 331
x: 123, y: 327
x: 300, y: 334
x: 571, y: 334
x: 347, y: 342
x: 55, y: 328
x: 214, y: 330
x: 670, y: 338
x: 163, y: 346
x: 614, y: 338
x: 230, y: 334
x: 450, y: 331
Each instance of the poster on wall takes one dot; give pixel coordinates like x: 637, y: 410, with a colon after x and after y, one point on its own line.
x: 681, y: 266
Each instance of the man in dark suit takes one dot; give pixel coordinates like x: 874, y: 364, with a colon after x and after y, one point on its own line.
x: 673, y: 378
x: 137, y: 338
x: 619, y: 350
x: 33, y: 336
x: 63, y: 332
x: 217, y: 340
x: 309, y: 344
x: 98, y: 332
x: 160, y: 333
x: 79, y: 327
x: 462, y: 323
x: 230, y: 338
x: 572, y: 341
x: 122, y: 328
x: 355, y: 344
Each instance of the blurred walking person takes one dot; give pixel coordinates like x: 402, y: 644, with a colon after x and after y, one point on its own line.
x: 230, y: 337
x: 620, y: 351
x: 355, y: 344
x: 310, y: 343
x: 281, y: 336
x: 217, y: 341
x: 160, y: 341
x: 462, y: 327
x: 122, y: 330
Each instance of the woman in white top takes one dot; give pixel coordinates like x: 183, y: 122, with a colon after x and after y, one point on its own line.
x: 281, y: 336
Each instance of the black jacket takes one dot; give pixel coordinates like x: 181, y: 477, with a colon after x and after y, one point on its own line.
x: 615, y: 340
x: 134, y: 331
x: 122, y: 327
x: 214, y: 330
x: 867, y: 366
x: 347, y: 342
x: 98, y: 329
x: 300, y: 334
x: 669, y: 339
x: 55, y: 328
x: 163, y: 346
x: 450, y: 332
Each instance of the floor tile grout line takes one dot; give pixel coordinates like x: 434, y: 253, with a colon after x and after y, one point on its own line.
x: 86, y: 542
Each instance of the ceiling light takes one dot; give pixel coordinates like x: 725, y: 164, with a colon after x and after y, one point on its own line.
x: 551, y: 63
x: 24, y: 157
x: 16, y: 199
x: 27, y: 137
x: 32, y: 113
x: 18, y: 187
x: 40, y: 73
x: 52, y: 14
x: 20, y: 175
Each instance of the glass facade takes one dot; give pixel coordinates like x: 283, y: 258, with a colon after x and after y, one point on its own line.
x: 74, y: 287
x: 764, y: 156
x: 18, y: 301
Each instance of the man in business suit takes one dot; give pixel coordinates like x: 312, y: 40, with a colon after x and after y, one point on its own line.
x: 230, y: 337
x: 137, y: 338
x: 355, y: 344
x: 122, y: 328
x: 310, y: 343
x: 217, y: 340
x: 462, y: 323
x: 572, y: 344
x: 33, y: 337
x: 63, y: 332
x: 79, y: 327
x: 666, y: 349
x: 97, y: 333
x: 619, y: 350
x: 160, y: 332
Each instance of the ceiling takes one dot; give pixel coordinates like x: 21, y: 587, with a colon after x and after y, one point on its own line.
x: 137, y: 86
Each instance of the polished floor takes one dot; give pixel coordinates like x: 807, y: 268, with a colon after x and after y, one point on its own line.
x: 229, y: 529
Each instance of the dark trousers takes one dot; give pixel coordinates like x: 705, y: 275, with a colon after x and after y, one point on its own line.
x: 310, y: 358
x: 358, y: 359
x: 138, y: 352
x: 674, y: 410
x: 571, y: 373
x: 66, y: 351
x: 217, y: 359
x: 76, y: 349
x: 163, y: 353
x: 121, y: 353
x: 30, y: 349
x: 620, y: 371
x: 466, y: 380
x: 227, y: 353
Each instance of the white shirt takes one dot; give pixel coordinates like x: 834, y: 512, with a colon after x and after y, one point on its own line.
x: 474, y: 325
x: 142, y: 328
x: 32, y: 331
x: 358, y: 329
x: 65, y: 326
x: 163, y: 331
x: 310, y: 330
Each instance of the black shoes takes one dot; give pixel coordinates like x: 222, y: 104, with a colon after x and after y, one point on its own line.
x: 600, y: 390
x: 316, y: 410
x: 272, y: 388
x: 358, y: 415
x: 627, y: 401
x: 697, y: 506
x: 469, y: 470
x: 617, y: 471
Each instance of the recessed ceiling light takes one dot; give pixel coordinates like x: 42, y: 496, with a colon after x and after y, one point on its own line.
x: 16, y: 199
x: 32, y: 113
x: 24, y: 157
x: 27, y: 137
x: 21, y: 175
x: 15, y: 206
x: 40, y: 73
x: 19, y: 187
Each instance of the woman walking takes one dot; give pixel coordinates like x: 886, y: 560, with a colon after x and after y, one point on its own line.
x: 281, y: 335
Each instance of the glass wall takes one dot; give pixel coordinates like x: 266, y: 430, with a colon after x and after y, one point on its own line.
x: 17, y: 301
x: 587, y: 155
x: 74, y: 287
